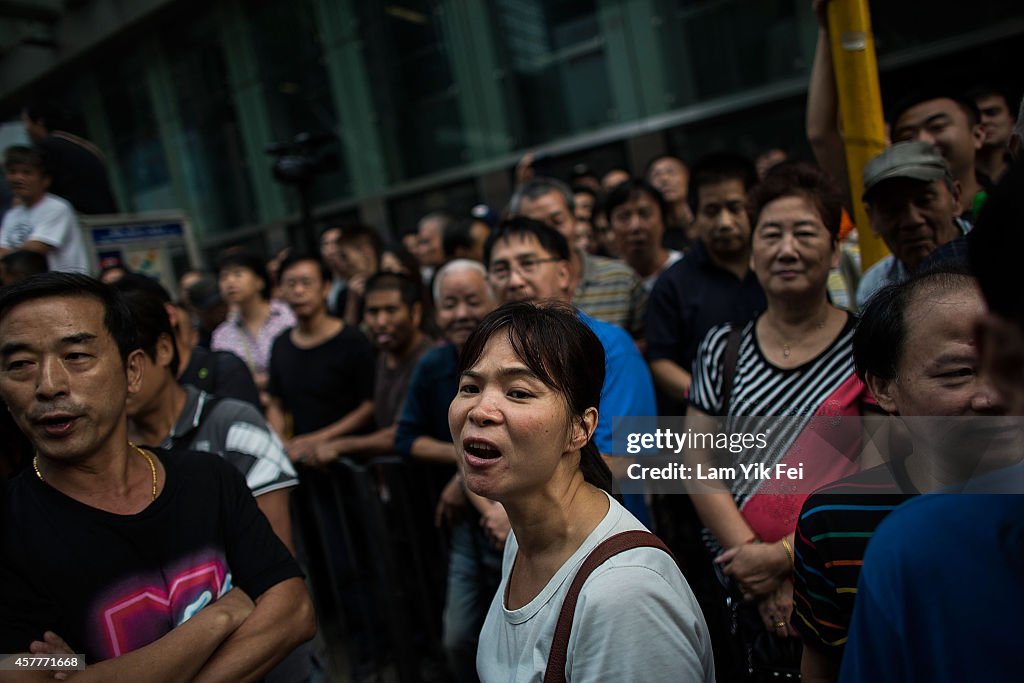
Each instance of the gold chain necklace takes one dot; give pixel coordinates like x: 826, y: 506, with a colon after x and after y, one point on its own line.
x: 785, y: 344
x: 144, y: 454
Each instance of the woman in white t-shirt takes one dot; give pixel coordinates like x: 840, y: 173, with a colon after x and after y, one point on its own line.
x: 530, y: 380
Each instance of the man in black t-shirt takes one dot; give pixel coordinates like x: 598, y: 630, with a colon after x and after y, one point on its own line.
x: 393, y: 312
x: 129, y: 555
x: 321, y: 370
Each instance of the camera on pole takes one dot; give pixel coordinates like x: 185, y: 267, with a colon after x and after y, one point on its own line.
x: 300, y: 161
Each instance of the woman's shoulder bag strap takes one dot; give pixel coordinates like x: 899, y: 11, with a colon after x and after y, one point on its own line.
x: 627, y: 540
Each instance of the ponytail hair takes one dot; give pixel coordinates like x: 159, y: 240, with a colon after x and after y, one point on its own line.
x: 595, y: 470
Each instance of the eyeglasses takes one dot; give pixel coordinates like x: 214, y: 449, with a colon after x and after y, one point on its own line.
x: 502, y: 270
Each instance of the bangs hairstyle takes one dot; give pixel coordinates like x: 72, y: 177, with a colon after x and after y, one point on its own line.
x: 117, y: 318
x: 629, y: 191
x: 805, y: 180
x: 881, y: 335
x: 241, y: 258
x: 562, y: 352
x: 295, y: 257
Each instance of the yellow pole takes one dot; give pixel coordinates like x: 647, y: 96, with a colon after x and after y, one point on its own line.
x: 860, y: 108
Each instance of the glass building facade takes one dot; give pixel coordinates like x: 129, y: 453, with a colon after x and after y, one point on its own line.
x: 430, y: 102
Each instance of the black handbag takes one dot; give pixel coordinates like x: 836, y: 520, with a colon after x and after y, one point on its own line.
x: 765, y: 656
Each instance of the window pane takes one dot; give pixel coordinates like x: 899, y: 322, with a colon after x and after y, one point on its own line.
x: 219, y: 178
x: 135, y: 136
x: 289, y: 53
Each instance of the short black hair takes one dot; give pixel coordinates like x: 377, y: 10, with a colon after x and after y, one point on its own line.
x: 24, y: 263
x: 996, y: 243
x: 300, y: 257
x: 358, y: 233
x: 404, y: 256
x: 719, y: 168
x: 992, y: 90
x: 204, y: 293
x: 23, y: 155
x: 628, y: 190
x: 550, y: 239
x: 916, y: 97
x: 242, y: 258
x: 801, y: 179
x: 457, y: 234
x: 562, y: 351
x: 410, y: 290
x: 117, y: 318
x: 146, y: 300
x: 585, y: 189
x: 881, y: 334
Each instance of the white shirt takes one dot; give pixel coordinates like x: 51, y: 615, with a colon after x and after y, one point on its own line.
x: 51, y: 221
x: 636, y: 619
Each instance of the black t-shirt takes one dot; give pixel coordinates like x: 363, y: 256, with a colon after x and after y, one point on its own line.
x: 110, y: 584
x: 78, y: 173
x: 321, y: 385
x: 690, y: 298
x: 221, y: 374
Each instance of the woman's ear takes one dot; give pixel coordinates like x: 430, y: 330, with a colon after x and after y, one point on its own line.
x: 584, y: 428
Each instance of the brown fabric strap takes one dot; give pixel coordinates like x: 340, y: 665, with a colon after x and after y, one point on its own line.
x: 627, y: 540
x: 730, y: 362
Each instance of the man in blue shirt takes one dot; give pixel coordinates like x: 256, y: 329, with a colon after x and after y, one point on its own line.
x: 528, y: 261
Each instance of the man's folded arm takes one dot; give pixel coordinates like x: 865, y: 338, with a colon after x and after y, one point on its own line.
x: 177, y: 656
x: 283, y: 620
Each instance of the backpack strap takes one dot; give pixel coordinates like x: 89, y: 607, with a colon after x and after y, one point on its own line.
x: 627, y: 540
x: 731, y: 359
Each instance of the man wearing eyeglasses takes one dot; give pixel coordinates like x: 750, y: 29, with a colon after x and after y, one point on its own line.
x: 606, y: 289
x: 529, y: 261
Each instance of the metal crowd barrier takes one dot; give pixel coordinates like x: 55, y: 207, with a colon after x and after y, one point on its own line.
x: 376, y: 563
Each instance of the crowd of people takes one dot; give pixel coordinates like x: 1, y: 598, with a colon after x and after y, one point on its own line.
x: 492, y: 351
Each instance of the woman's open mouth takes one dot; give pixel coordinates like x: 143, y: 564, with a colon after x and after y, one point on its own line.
x: 480, y: 450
